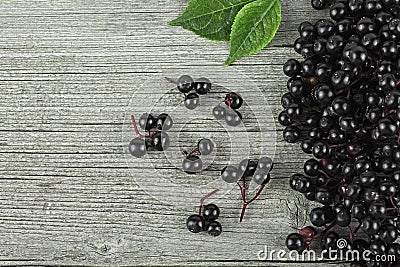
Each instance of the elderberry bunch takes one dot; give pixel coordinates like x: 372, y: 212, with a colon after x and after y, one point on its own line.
x: 156, y: 136
x: 205, y: 221
x: 186, y: 85
x: 342, y: 105
x: 230, y: 113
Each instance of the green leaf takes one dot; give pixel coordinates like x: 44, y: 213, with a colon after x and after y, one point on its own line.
x: 254, y: 27
x: 211, y: 19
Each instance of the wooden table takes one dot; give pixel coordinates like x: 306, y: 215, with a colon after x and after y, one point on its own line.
x: 68, y: 72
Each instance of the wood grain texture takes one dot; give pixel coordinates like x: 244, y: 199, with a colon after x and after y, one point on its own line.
x: 68, y: 71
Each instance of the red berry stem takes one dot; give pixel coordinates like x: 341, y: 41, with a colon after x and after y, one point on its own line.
x: 205, y: 198
x: 242, y: 192
x: 171, y: 80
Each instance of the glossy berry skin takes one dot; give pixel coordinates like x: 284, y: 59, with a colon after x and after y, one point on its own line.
x: 338, y: 11
x: 210, y: 212
x: 373, y: 6
x: 345, y: 27
x: 388, y: 233
x: 284, y: 118
x: 296, y: 88
x: 147, y: 122
x: 233, y: 100
x: 388, y: 188
x: 185, y: 84
x: 323, y: 94
x: 371, y: 41
x: 311, y: 167
x: 307, y: 31
x: 202, y: 86
x: 214, y: 228
x: 324, y: 196
x: 319, y: 217
x: 340, y: 79
x: 195, y: 223
x: 230, y: 174
x: 302, y: 184
x: 318, y: 4
x: 307, y: 145
x: 219, y: 112
x: 137, y: 147
x: 192, y: 101
x: 341, y: 106
x: 365, y: 25
x: 344, y: 109
x: 356, y: 55
x: 295, y: 242
x: 335, y: 44
x: 287, y: 99
x: 359, y: 211
x: 192, y: 164
x: 205, y: 146
x: 387, y: 82
x: 321, y: 150
x: 164, y: 122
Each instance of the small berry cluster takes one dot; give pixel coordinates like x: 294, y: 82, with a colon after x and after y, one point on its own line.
x: 206, y: 220
x: 343, y: 104
x: 230, y: 114
x: 259, y: 170
x: 156, y: 136
x: 186, y: 85
x: 192, y: 163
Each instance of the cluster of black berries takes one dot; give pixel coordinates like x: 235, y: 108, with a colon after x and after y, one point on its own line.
x: 192, y: 163
x: 259, y: 170
x: 156, y: 137
x: 230, y: 113
x: 206, y: 221
x: 186, y: 85
x: 343, y: 106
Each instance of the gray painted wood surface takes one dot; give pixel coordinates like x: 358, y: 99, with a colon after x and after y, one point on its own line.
x: 68, y: 71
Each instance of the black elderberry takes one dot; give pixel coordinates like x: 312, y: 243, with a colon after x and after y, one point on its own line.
x: 195, y: 223
x: 210, y: 212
